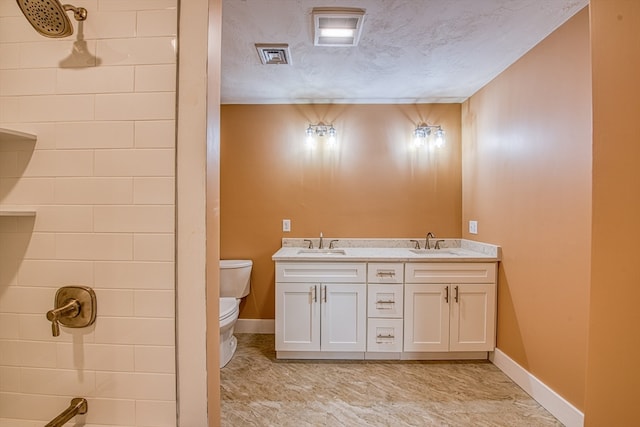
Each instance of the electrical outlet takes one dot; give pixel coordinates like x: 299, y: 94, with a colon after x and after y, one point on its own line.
x: 286, y: 225
x: 473, y: 227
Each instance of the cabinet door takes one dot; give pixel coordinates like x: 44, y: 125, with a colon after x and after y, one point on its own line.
x: 344, y: 317
x: 473, y: 317
x: 297, y: 317
x: 426, y: 317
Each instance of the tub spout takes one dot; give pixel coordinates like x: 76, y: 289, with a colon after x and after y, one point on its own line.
x: 78, y: 406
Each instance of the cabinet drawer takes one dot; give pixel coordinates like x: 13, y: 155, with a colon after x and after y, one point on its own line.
x: 469, y: 272
x: 385, y: 301
x: 384, y: 335
x: 385, y: 272
x: 321, y: 272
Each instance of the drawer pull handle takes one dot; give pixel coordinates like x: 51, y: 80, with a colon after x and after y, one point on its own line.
x: 382, y: 339
x: 446, y: 294
x: 385, y: 302
x: 456, y: 296
x: 315, y: 293
x: 386, y: 273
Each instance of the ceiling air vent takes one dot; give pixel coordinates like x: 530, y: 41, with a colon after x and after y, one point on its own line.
x: 277, y: 54
x: 337, y: 26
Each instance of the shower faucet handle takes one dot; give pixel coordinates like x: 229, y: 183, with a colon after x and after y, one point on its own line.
x: 70, y: 309
x: 75, y: 307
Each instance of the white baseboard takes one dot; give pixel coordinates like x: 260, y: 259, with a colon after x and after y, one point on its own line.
x: 564, y: 411
x: 255, y: 326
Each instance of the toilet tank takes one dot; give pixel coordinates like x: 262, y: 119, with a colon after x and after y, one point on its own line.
x: 235, y: 275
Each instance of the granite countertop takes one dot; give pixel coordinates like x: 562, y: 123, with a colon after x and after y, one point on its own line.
x: 400, y: 250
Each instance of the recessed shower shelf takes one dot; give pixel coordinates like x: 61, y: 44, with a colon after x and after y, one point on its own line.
x: 7, y: 135
x: 17, y: 212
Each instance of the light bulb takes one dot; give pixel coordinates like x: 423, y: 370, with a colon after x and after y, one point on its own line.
x: 439, y: 138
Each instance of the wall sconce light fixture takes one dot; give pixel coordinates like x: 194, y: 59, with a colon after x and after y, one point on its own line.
x: 321, y: 130
x: 430, y: 136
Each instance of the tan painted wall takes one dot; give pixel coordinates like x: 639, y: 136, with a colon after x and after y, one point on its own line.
x: 613, y: 372
x: 527, y: 181
x: 374, y: 186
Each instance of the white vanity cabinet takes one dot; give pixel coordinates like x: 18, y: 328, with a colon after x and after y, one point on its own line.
x: 320, y: 307
x: 385, y: 307
x: 449, y: 307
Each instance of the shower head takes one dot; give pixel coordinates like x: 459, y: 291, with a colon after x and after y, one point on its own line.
x: 49, y: 17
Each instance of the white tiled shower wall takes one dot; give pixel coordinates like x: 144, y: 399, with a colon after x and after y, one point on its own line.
x: 101, y: 179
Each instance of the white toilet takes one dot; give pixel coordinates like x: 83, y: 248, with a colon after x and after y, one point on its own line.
x: 234, y: 284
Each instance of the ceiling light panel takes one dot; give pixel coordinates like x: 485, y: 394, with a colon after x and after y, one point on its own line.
x: 337, y: 26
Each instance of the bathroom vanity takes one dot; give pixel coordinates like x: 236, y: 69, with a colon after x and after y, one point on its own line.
x: 383, y: 299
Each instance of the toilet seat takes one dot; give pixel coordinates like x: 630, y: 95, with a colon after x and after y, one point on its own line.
x: 228, y: 307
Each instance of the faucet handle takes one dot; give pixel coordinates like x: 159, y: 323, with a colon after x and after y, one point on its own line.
x: 438, y: 243
x: 417, y: 244
x: 331, y: 243
x: 310, y: 246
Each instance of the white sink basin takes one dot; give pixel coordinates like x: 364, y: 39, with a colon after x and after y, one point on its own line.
x: 322, y: 251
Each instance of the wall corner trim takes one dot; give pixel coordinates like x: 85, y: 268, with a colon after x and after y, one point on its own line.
x: 564, y: 411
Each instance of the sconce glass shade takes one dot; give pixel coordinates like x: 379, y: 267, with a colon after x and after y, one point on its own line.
x: 321, y: 130
x: 431, y: 136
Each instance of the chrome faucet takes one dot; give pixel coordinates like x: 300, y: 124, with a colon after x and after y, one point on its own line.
x: 321, y: 245
x: 426, y: 242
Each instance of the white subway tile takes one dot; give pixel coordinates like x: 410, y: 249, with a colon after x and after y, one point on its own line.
x: 27, y: 82
x: 154, y: 303
x: 28, y: 354
x: 155, y: 134
x: 55, y: 273
x: 86, y: 246
x: 38, y: 328
x: 41, y: 246
x: 9, y: 55
x: 94, y: 80
x: 155, y: 78
x: 109, y: 25
x: 134, y: 275
x: 9, y: 378
x: 44, y: 131
x: 84, y: 135
x: 9, y: 271
x: 52, y: 108
x: 93, y: 191
x: 13, y: 245
x: 152, y: 50
x: 147, y: 162
x: 122, y: 330
x: 115, y: 302
x: 134, y: 219
x: 136, y: 106
x: 17, y: 29
x: 58, y: 381
x: 156, y: 413
x: 157, y: 23
x: 136, y: 4
x: 61, y: 53
x: 155, y: 359
x: 96, y: 357
x: 21, y: 299
x: 8, y: 224
x: 154, y: 191
x: 9, y: 328
x: 23, y: 406
x: 9, y: 164
x: 30, y: 191
x: 53, y: 163
x: 153, y: 247
x: 135, y: 386
x: 64, y: 218
x: 110, y: 412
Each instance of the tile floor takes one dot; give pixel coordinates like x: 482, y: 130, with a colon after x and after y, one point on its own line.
x: 258, y: 390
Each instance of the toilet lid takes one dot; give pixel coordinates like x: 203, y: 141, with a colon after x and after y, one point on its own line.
x: 227, y: 307
x: 235, y: 263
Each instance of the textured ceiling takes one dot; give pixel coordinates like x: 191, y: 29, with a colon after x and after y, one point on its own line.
x: 410, y: 50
